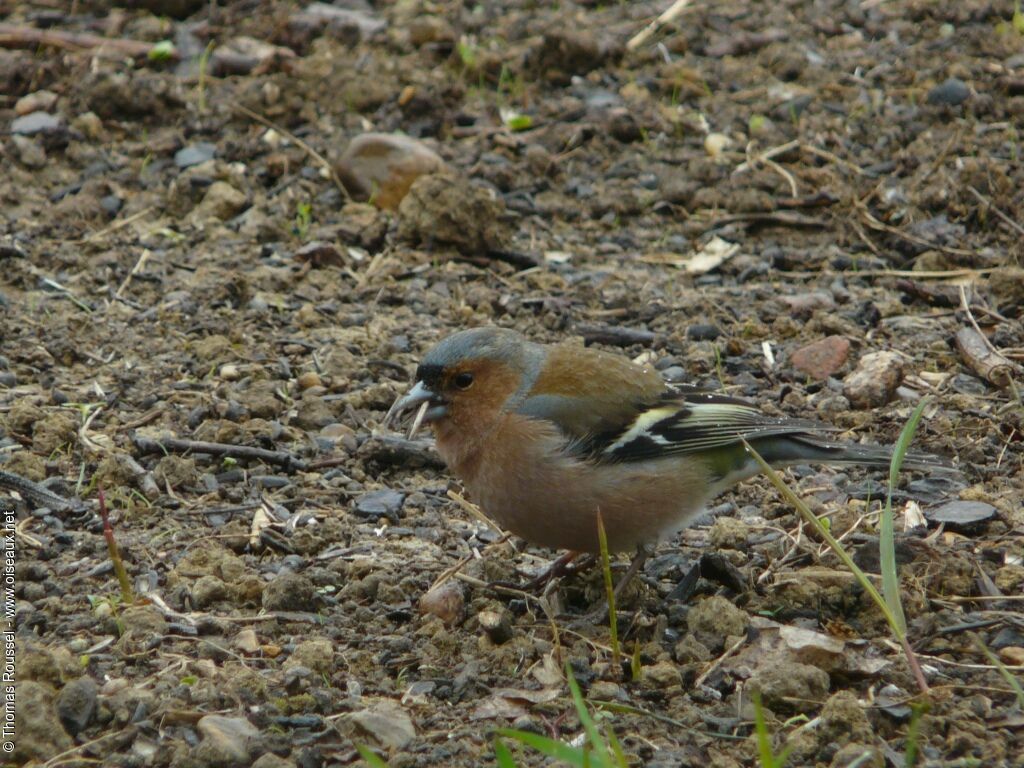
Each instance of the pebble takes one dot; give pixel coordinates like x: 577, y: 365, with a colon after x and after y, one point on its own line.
x: 387, y: 723
x: 381, y: 167
x: 76, y: 705
x: 821, y: 359
x: 33, y: 123
x: 309, y: 379
x: 227, y: 740
x: 377, y: 504
x: 951, y: 92
x: 496, y: 625
x: 716, y: 143
x: 961, y: 515
x: 39, y: 101
x: 194, y: 154
x: 30, y: 153
x: 875, y: 380
x: 703, y: 332
x: 446, y: 601
x: 663, y: 674
x: 715, y: 618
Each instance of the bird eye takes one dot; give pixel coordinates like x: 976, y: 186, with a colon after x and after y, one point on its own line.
x: 464, y: 380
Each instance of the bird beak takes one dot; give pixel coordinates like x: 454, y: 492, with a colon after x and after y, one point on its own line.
x: 430, y: 407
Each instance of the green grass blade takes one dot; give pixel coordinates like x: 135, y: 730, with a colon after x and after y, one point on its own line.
x: 816, y: 524
x: 887, y: 536
x: 559, y: 750
x: 503, y: 755
x: 606, y: 567
x: 370, y: 758
x: 764, y: 741
x: 597, y: 743
x: 1008, y: 676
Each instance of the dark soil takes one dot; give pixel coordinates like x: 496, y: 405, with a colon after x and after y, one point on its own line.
x: 862, y: 157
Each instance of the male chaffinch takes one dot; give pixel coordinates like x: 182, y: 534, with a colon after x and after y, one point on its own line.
x: 543, y: 437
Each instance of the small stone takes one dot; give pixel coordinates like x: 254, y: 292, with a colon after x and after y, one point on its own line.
x: 221, y: 201
x: 623, y: 126
x: 446, y: 601
x: 1012, y: 655
x: 76, y: 704
x: 88, y: 124
x: 387, y: 723
x: 316, y: 654
x: 703, y: 332
x: 30, y: 152
x: 803, y: 305
x: 951, y: 92
x: 791, y: 687
x: 377, y: 504
x: 309, y: 379
x: 874, y: 382
x: 230, y: 372
x: 961, y: 515
x: 341, y: 434
x: 36, y: 122
x: 246, y: 641
x: 716, y: 143
x: 320, y: 254
x: 111, y: 205
x: 228, y: 740
x: 208, y: 590
x: 381, y: 167
x: 290, y: 592
x: 497, y: 626
x: 194, y: 154
x: 39, y: 101
x: 663, y: 674
x: 822, y: 358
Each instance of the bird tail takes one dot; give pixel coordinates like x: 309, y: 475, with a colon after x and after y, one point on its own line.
x: 784, y: 450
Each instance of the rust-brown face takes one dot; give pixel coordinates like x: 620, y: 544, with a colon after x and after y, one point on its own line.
x: 464, y: 381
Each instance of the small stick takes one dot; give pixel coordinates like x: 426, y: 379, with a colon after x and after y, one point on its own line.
x: 300, y: 144
x: 14, y: 36
x: 135, y: 270
x: 671, y: 14
x: 1006, y: 219
x: 115, y: 555
x: 283, y: 459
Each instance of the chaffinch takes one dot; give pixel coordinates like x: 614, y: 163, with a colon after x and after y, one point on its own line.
x: 543, y: 437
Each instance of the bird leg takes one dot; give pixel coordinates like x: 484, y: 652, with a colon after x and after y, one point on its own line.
x: 562, y: 566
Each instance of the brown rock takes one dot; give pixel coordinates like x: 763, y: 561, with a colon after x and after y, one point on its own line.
x: 446, y: 602
x: 821, y: 359
x: 381, y: 167
x: 874, y: 382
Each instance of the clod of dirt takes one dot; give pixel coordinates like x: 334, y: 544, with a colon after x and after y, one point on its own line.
x: 40, y: 734
x: 207, y: 591
x: 714, y: 619
x: 317, y: 654
x: 874, y: 382
x: 822, y: 358
x: 53, y: 432
x: 176, y: 471
x: 1007, y: 286
x: 728, y: 533
x: 221, y: 202
x: 23, y: 416
x: 663, y: 674
x: 562, y: 53
x: 290, y: 592
x: 842, y: 721
x: 445, y: 210
x: 381, y: 167
x: 118, y: 96
x: 31, y: 466
x: 311, y: 412
x: 788, y: 686
x: 446, y: 601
